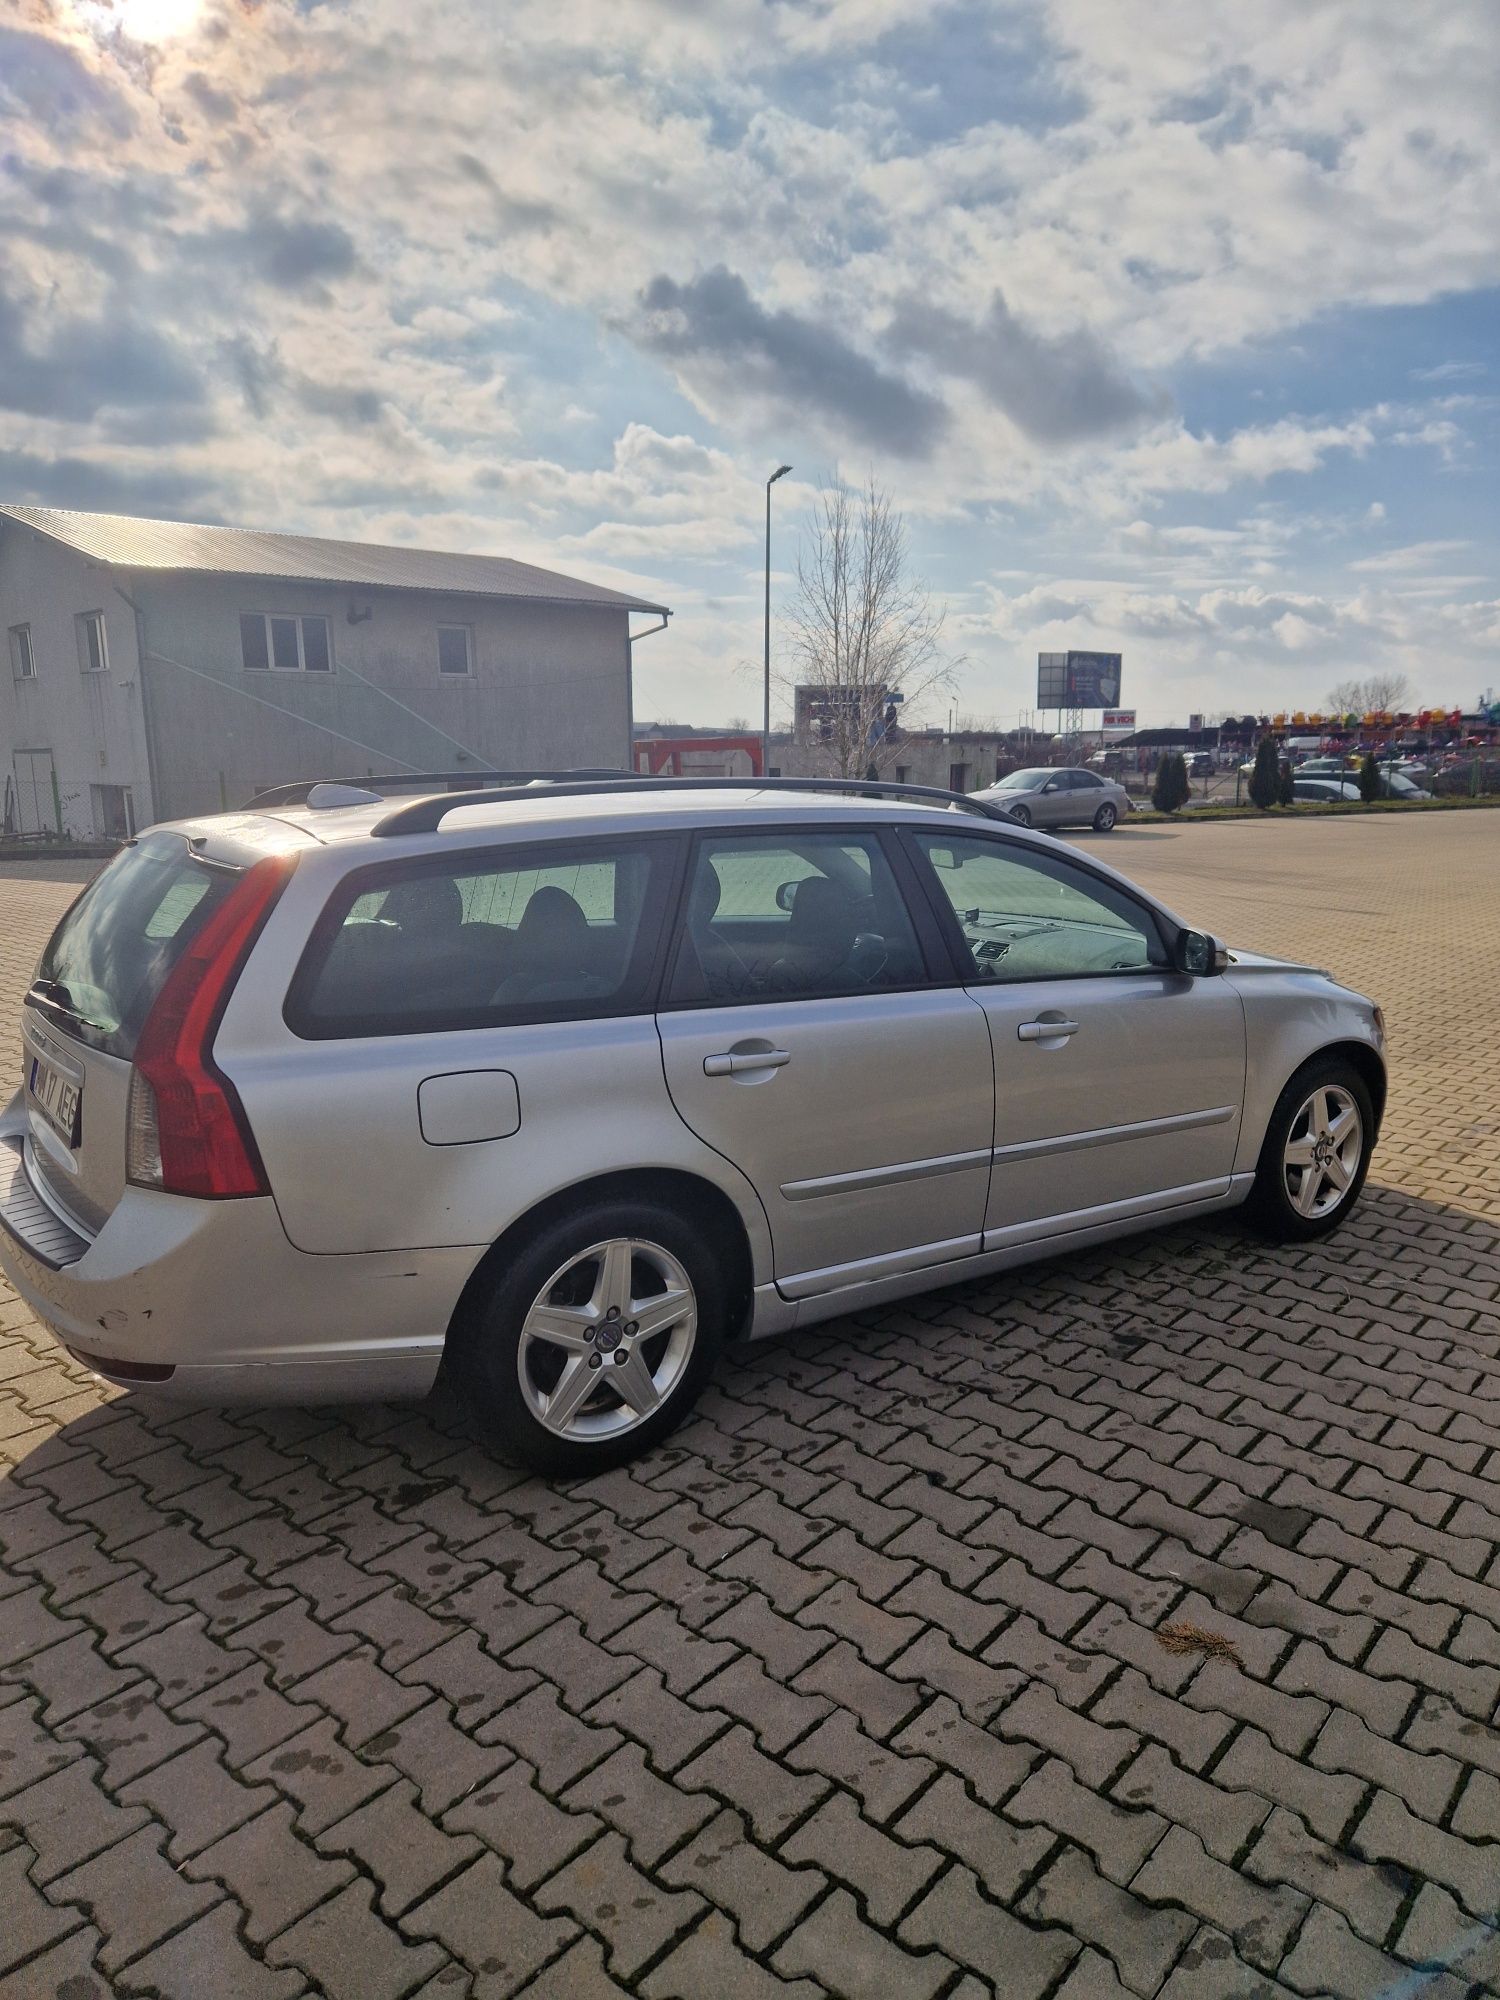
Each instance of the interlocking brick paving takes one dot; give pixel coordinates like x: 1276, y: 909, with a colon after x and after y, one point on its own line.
x: 857, y: 1688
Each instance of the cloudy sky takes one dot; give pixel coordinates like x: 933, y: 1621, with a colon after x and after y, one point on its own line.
x: 1173, y: 325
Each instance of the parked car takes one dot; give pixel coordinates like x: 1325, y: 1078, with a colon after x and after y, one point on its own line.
x: 564, y: 1088
x: 1400, y: 785
x: 1059, y: 798
x: 1330, y: 767
x: 1325, y: 791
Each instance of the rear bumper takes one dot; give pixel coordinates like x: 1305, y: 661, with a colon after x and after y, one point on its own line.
x: 214, y: 1291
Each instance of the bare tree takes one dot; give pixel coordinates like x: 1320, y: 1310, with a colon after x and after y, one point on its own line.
x: 1387, y: 694
x: 863, y: 630
x: 1381, y: 694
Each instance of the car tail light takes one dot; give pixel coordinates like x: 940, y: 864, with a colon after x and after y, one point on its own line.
x: 186, y: 1127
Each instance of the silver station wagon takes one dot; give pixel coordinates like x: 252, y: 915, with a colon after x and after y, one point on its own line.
x: 563, y: 1086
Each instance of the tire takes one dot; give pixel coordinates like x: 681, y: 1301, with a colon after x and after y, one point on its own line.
x: 1021, y: 815
x: 563, y: 1299
x: 1284, y: 1205
x: 1104, y: 819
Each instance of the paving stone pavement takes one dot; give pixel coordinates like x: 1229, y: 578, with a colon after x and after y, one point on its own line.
x: 855, y: 1689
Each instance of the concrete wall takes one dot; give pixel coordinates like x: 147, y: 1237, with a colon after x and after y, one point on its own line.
x: 919, y: 759
x: 91, y: 723
x: 548, y: 688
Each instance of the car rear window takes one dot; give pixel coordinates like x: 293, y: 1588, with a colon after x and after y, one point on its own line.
x: 562, y: 932
x: 110, y: 956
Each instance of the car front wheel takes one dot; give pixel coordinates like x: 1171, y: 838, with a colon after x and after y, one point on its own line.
x: 1104, y: 819
x: 595, y: 1340
x: 1021, y: 815
x: 1316, y: 1152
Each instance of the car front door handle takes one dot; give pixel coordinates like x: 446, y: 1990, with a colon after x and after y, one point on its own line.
x: 736, y: 1065
x: 1046, y: 1031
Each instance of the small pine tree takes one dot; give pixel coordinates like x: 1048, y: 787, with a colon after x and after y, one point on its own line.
x: 1171, y: 790
x: 1265, y: 779
x: 1369, y: 779
x: 1285, y: 795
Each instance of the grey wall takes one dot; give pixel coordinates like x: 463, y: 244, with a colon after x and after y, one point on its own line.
x: 922, y: 759
x: 92, y: 723
x: 549, y: 688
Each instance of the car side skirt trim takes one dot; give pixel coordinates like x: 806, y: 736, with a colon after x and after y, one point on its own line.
x: 1067, y: 1227
x: 775, y: 1312
x: 874, y: 1177
x: 1113, y: 1135
x: 920, y: 1257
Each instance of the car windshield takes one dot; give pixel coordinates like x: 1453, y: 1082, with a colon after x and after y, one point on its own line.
x: 1022, y: 781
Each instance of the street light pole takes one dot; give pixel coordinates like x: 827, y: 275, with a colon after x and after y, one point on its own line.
x: 765, y: 719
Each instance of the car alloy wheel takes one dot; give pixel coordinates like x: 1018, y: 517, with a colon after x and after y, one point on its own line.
x: 1104, y: 819
x: 1323, y: 1151
x: 607, y: 1340
x: 1021, y: 815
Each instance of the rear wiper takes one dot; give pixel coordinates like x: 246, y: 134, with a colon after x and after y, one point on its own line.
x: 55, y: 994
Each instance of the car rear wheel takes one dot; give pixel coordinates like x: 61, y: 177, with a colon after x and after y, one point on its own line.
x: 1021, y: 815
x: 1316, y: 1152
x: 1104, y: 819
x: 595, y: 1340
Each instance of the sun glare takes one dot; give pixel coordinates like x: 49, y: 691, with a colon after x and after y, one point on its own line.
x: 149, y: 20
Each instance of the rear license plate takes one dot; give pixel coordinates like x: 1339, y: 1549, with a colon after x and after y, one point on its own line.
x: 59, y: 1101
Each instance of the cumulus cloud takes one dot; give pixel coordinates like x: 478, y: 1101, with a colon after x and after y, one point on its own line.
x: 715, y: 331
x: 1058, y: 391
x: 71, y: 366
x: 293, y: 253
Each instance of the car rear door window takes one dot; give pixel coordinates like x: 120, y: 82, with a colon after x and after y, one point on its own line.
x: 792, y: 914
x: 560, y: 932
x: 1028, y: 915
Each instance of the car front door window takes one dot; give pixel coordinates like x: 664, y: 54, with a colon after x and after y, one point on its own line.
x: 1025, y: 915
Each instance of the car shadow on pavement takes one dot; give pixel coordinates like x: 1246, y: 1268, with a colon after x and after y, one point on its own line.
x: 1405, y: 1281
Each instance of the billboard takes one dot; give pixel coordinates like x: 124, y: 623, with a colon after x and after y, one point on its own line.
x: 1119, y: 718
x: 1077, y: 680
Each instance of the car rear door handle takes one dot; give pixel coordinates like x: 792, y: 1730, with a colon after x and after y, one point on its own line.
x: 736, y: 1065
x: 1046, y: 1031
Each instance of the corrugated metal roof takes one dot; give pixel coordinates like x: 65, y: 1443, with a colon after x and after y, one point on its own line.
x: 132, y: 543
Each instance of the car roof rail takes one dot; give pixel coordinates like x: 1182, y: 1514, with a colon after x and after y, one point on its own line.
x: 427, y: 815
x: 429, y: 781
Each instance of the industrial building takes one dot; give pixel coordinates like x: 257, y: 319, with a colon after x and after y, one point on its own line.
x: 159, y: 669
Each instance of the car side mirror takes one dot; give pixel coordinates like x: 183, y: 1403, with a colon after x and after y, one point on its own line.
x: 1198, y: 954
x: 786, y: 895
x: 1050, y: 786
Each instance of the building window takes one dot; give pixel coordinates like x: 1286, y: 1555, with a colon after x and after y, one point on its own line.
x: 455, y: 650
x: 903, y: 772
x: 22, y: 659
x: 93, y: 656
x: 290, y: 644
